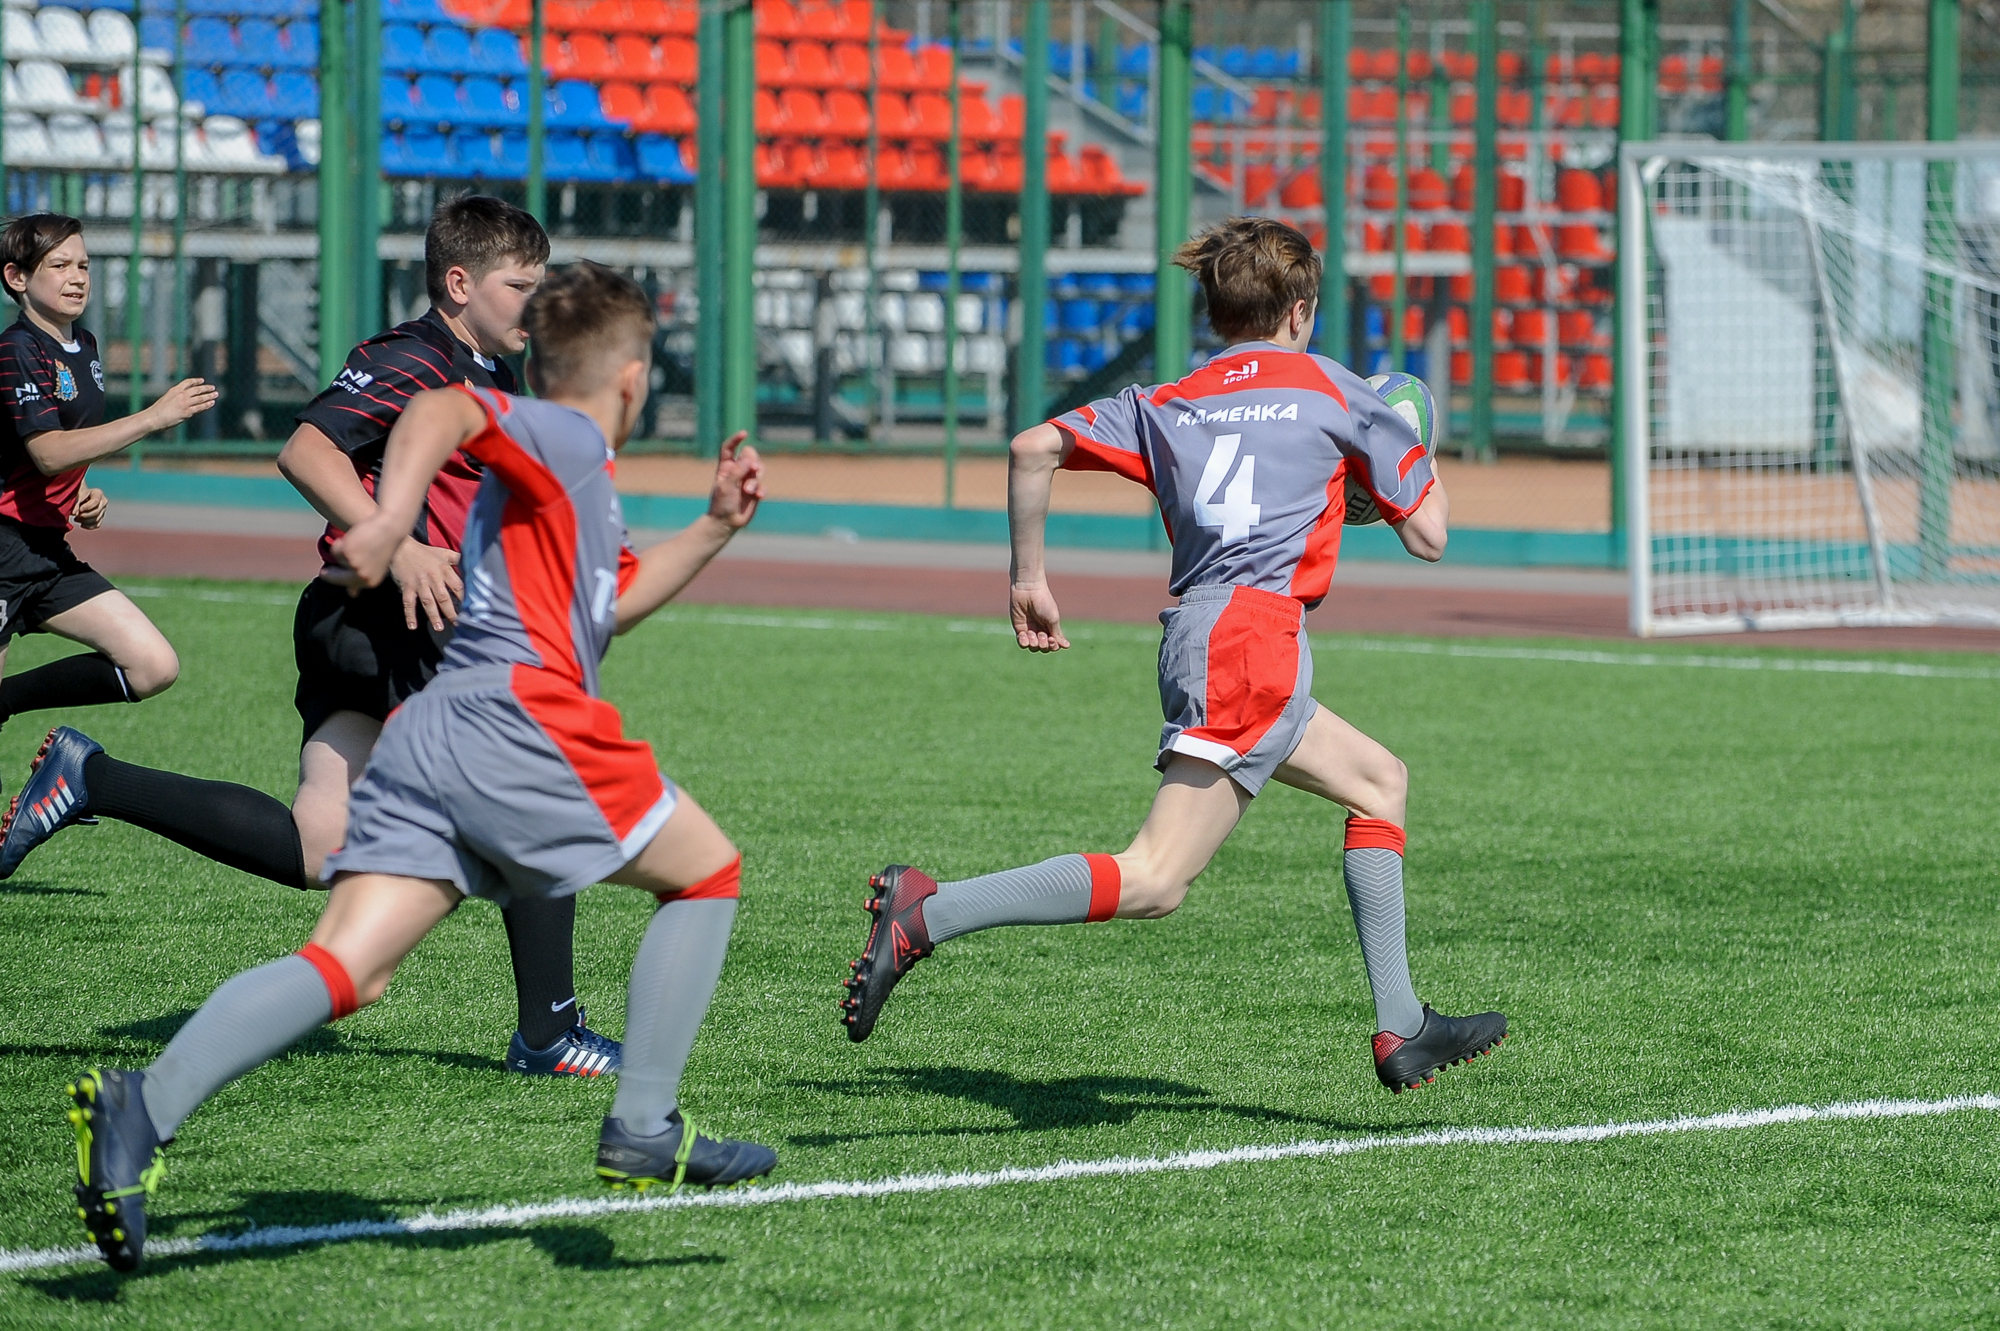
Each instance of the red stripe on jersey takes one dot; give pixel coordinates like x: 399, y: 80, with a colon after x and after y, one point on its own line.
x: 620, y: 775
x: 1088, y: 412
x: 628, y: 568
x: 1392, y: 513
x: 1087, y: 454
x: 1314, y: 573
x: 1275, y: 369
x: 1409, y: 460
x: 1253, y: 668
x: 1105, y: 882
x: 538, y: 538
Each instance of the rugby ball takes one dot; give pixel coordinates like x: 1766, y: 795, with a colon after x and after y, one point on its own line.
x: 1408, y: 398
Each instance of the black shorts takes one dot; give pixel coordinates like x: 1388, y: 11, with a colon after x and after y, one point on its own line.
x: 40, y: 577
x: 356, y: 655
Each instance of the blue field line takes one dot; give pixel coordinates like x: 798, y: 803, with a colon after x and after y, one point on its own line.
x: 893, y: 522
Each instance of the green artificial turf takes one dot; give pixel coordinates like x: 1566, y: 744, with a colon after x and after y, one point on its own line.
x: 1692, y: 890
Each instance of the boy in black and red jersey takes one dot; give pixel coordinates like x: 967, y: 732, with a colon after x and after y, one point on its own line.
x: 52, y: 427
x: 361, y: 657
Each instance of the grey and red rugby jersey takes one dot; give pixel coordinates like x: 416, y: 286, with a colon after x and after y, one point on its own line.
x: 359, y: 408
x: 1249, y: 457
x: 545, y: 548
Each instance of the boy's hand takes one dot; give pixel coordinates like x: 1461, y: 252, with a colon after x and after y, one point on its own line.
x: 365, y: 554
x: 739, y: 483
x: 189, y: 397
x: 1037, y: 622
x: 91, y: 506
x: 428, y: 577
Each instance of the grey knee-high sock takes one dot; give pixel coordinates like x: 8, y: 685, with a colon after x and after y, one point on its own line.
x: 1375, y: 891
x: 673, y: 978
x: 1068, y: 889
x: 254, y: 1017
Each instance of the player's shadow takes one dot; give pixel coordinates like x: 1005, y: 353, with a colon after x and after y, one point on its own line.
x: 28, y: 887
x: 150, y: 1035
x: 567, y: 1246
x: 1057, y: 1103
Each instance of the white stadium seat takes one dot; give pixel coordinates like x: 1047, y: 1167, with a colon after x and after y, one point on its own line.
x: 43, y: 85
x: 111, y: 36
x: 307, y: 132
x: 62, y: 34
x: 21, y: 37
x: 76, y: 141
x: 27, y: 141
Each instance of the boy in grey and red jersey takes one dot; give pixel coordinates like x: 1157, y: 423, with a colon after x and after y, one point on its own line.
x: 1250, y: 457
x: 506, y: 777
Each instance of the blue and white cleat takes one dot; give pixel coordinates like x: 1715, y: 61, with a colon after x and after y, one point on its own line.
x: 53, y: 799
x: 577, y: 1052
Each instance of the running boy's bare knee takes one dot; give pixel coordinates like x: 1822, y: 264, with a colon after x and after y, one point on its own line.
x: 1383, y: 791
x: 1148, y: 891
x: 150, y: 672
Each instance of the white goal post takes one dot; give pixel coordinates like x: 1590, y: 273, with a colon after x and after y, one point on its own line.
x: 1811, y: 385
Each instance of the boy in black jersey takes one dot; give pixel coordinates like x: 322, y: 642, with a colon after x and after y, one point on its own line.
x: 360, y: 657
x: 52, y: 427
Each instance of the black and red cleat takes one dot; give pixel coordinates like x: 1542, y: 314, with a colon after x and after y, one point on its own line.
x: 1405, y: 1063
x: 896, y: 942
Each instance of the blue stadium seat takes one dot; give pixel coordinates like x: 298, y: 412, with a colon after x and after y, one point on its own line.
x: 449, y: 51
x: 1098, y: 286
x: 295, y: 95
x: 490, y: 103
x: 426, y: 152
x: 1095, y: 353
x: 1205, y: 98
x: 611, y: 158
x: 498, y: 52
x: 414, y: 11
x: 573, y: 104
x: 1132, y: 101
x: 564, y: 157
x: 257, y: 43
x: 394, y: 161
x: 660, y: 159
x: 301, y: 45
x: 209, y: 42
x: 435, y: 99
x: 157, y: 34
x: 1132, y: 62
x: 244, y: 94
x: 1068, y: 355
x: 402, y: 49
x: 280, y: 138
x: 210, y: 8
x: 472, y: 149
x: 1136, y: 321
x: 1139, y: 285
x: 1267, y: 62
x: 398, y: 101
x: 202, y: 86
x: 122, y: 6
x: 1080, y: 316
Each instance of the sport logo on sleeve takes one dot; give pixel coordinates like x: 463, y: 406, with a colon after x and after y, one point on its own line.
x: 353, y: 380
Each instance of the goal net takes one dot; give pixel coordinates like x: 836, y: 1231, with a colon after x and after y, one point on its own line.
x: 1812, y: 406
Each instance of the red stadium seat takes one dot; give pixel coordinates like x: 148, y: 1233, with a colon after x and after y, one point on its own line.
x: 622, y: 103
x: 680, y: 61
x: 776, y: 20
x: 1604, y: 107
x: 838, y: 166
x: 1509, y: 65
x: 1064, y: 177
x: 779, y: 168
x: 1531, y: 327
x: 1378, y: 189
x: 667, y: 111
x: 1590, y: 67
x: 679, y: 18
x: 1007, y: 168
x: 1013, y: 116
x: 566, y: 15
x: 823, y: 20
x: 1462, y: 66
x: 934, y: 68
x: 977, y: 120
x: 811, y: 66
x: 1461, y: 367
x: 927, y: 171
x: 1260, y: 180
x: 898, y: 71
x: 1579, y: 192
x: 1303, y: 190
x: 638, y: 59
x: 850, y: 63
x: 892, y: 116
x: 804, y: 113
x: 1594, y: 372
x: 1420, y: 64
x: 1510, y: 370
x: 768, y: 114
x: 1264, y: 106
x: 774, y: 68
x: 976, y: 170
x: 1427, y: 191
x: 858, y: 15
x: 893, y: 168
x: 1576, y: 328
x: 1451, y: 237
x: 1710, y: 73
x: 930, y: 117
x: 610, y: 17
x: 592, y: 57
x: 1510, y: 285
x: 848, y: 112
x: 1101, y: 175
x: 558, y: 61
x: 1381, y: 65
x: 1674, y: 75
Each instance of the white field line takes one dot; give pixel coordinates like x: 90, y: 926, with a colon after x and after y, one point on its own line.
x: 514, y: 1217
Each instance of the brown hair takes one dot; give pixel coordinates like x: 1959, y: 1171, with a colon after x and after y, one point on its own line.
x: 28, y: 240
x: 478, y: 233
x: 586, y: 313
x: 1252, y: 270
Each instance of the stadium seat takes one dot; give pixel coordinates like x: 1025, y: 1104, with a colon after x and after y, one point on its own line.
x: 930, y: 117
x: 402, y: 49
x: 447, y: 50
x: 838, y: 166
x: 258, y: 44
x: 497, y: 52
x: 637, y: 58
x: 393, y: 161
x: 564, y: 157
x: 434, y: 98
x: 590, y: 57
x: 573, y: 104
x: 776, y: 19
x: 622, y: 103
x: 557, y: 60
x: 112, y: 37
x: 299, y: 48
x: 934, y: 67
x: 898, y: 70
x: 977, y: 120
x: 491, y: 104
x: 847, y: 113
x: 473, y: 151
x: 667, y: 110
x: 783, y: 165
x: 203, y: 88
x: 414, y: 11
x: 609, y: 158
x: 243, y: 94
x: 63, y: 35
x: 426, y: 152
x: 659, y: 158
x: 767, y: 114
x: 208, y: 41
x: 812, y: 67
x: 42, y: 86
x: 976, y: 169
x: 774, y: 68
x: 803, y: 113
x: 679, y: 61
x: 892, y: 116
x: 850, y: 64
x: 294, y: 95
x: 76, y: 141
x: 155, y: 34
x: 1302, y: 190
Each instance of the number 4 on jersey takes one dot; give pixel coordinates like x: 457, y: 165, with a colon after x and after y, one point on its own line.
x: 1236, y: 514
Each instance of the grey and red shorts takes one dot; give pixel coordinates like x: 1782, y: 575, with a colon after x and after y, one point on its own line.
x: 505, y: 781
x: 1235, y: 680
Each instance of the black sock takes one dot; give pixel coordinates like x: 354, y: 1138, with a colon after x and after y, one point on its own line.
x: 74, y: 681
x: 541, y: 933
x: 230, y: 824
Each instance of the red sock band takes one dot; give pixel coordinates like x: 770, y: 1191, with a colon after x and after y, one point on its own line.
x: 339, y: 985
x: 1104, y: 883
x: 724, y: 882
x: 1374, y: 834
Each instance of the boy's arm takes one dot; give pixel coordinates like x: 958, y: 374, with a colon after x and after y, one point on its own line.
x: 664, y: 569
x: 433, y: 426
x: 1425, y: 531
x: 54, y: 451
x: 1032, y: 460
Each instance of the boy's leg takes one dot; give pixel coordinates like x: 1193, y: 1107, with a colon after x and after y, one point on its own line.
x: 1192, y: 815
x: 128, y: 646
x: 541, y: 931
x: 1339, y: 763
